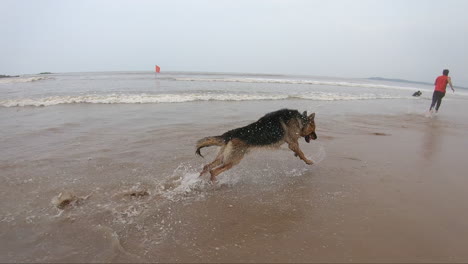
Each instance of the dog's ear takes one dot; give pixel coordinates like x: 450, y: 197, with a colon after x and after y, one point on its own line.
x: 304, y: 114
x: 311, y: 117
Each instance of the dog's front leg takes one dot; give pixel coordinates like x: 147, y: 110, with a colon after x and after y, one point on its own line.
x: 298, y: 152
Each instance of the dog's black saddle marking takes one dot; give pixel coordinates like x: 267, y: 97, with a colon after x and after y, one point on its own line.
x: 267, y: 130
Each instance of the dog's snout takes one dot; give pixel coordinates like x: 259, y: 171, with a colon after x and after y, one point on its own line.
x: 314, y: 136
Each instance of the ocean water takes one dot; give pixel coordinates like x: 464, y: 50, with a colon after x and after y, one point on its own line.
x: 175, y: 87
x: 101, y: 167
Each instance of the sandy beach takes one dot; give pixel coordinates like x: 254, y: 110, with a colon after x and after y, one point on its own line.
x: 119, y: 183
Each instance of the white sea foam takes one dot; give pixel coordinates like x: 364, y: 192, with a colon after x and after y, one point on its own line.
x: 319, y: 154
x: 21, y: 79
x: 184, y: 181
x: 299, y: 81
x: 183, y: 97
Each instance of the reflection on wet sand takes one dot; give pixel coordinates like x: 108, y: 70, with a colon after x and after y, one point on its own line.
x: 432, y: 139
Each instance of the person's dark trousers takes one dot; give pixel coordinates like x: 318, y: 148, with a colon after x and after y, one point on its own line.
x: 437, y: 99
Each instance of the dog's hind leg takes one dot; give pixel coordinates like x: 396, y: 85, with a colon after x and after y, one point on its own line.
x: 216, y: 162
x: 233, y: 154
x: 219, y: 170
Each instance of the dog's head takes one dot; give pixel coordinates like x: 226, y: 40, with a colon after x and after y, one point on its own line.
x: 308, y: 130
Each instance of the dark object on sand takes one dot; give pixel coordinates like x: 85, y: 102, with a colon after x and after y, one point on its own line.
x: 67, y: 199
x: 418, y: 93
x: 137, y: 193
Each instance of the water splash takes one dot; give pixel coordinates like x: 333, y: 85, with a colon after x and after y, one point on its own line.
x: 183, y: 181
x: 319, y: 155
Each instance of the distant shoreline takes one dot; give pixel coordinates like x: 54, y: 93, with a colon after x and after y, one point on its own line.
x: 8, y: 76
x: 13, y: 76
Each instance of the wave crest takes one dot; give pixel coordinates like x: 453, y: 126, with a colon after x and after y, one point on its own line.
x: 22, y: 79
x: 180, y: 98
x: 299, y: 81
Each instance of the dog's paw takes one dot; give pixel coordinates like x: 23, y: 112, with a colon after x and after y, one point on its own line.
x: 309, y: 162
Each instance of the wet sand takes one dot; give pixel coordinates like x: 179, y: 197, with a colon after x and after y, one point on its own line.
x: 385, y: 188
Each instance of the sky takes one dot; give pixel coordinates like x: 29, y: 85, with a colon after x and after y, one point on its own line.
x: 410, y: 39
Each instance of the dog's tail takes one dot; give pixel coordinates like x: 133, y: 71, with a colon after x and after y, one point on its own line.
x: 209, y: 141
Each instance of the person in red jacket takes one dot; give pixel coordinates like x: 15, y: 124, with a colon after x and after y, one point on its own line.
x: 439, y: 90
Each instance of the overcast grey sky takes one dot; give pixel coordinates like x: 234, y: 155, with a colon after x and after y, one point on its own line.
x: 407, y: 39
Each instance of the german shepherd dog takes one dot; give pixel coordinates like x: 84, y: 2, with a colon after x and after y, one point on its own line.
x: 272, y: 130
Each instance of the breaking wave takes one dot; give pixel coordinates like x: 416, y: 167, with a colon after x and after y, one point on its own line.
x: 183, y: 97
x: 22, y: 79
x: 298, y: 81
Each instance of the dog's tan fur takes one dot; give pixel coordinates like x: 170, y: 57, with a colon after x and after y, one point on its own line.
x: 233, y: 149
